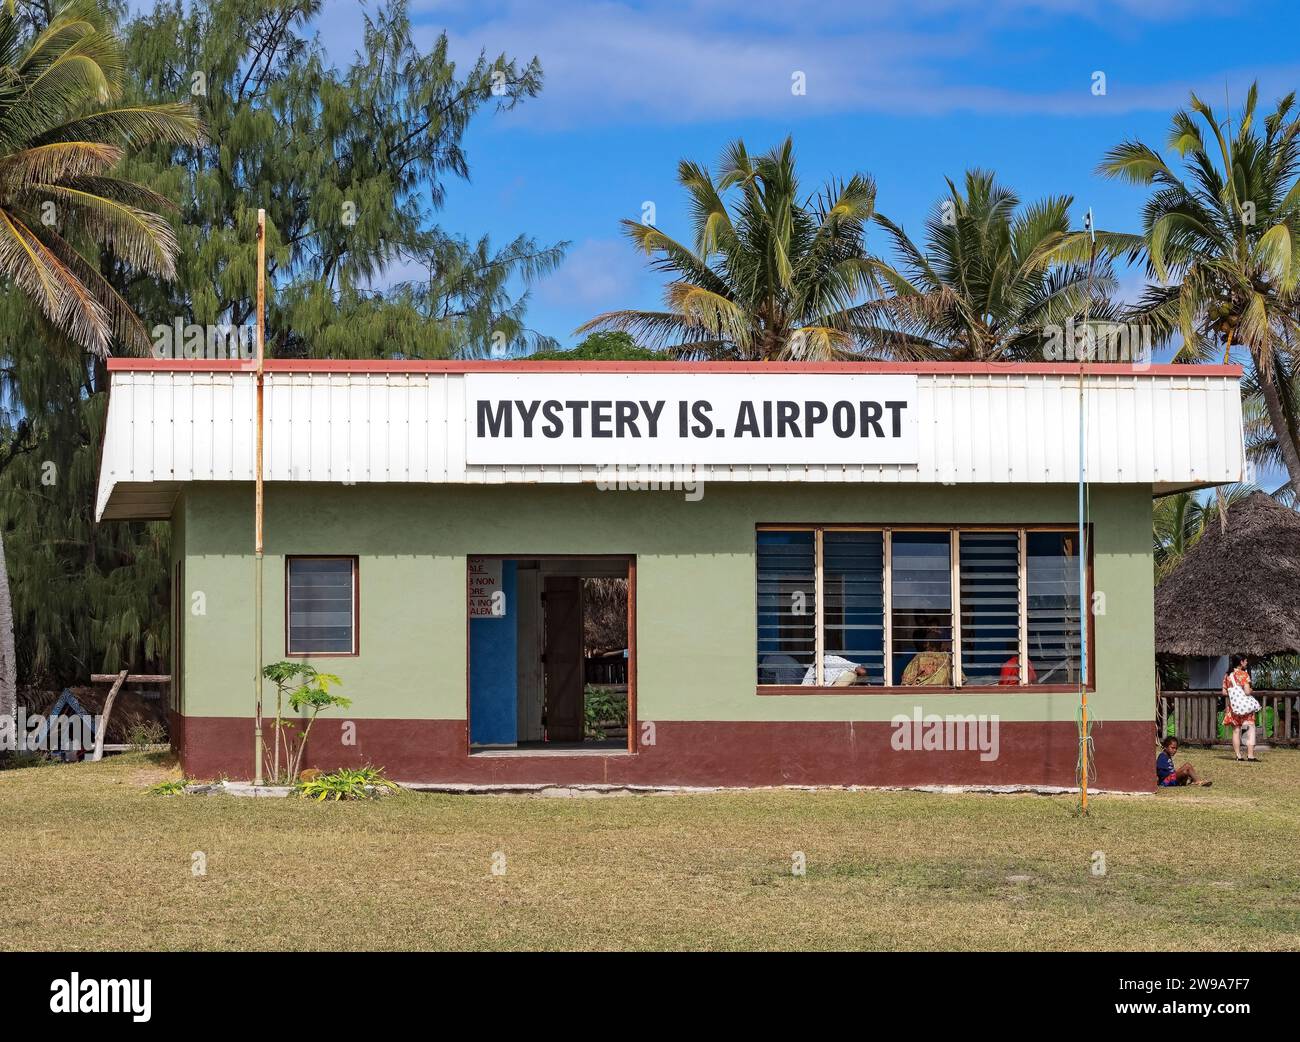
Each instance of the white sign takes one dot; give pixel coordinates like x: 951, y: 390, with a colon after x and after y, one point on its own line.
x: 689, y: 418
x: 486, y: 597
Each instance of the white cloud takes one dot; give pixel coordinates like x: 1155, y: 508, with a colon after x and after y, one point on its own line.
x: 681, y: 61
x: 684, y: 61
x: 599, y: 275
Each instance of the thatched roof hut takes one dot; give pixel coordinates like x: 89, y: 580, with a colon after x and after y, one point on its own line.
x: 1236, y: 590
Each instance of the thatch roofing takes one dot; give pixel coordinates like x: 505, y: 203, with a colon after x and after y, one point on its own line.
x: 1236, y: 590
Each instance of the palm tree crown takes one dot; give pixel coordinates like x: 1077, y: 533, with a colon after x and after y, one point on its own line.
x: 62, y: 132
x: 777, y: 276
x: 994, y: 278
x: 1224, y: 243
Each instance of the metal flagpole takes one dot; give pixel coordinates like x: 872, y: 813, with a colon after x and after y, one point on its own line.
x: 1085, y: 608
x: 258, y: 500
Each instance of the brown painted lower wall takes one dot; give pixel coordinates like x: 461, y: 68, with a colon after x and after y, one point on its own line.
x: 696, y: 753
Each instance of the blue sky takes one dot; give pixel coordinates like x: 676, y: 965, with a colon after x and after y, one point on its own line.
x: 909, y: 91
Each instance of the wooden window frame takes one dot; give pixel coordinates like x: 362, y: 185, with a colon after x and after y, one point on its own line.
x: 356, y: 605
x: 1022, y: 531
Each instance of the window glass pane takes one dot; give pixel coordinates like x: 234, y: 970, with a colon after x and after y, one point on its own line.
x: 787, y: 609
x: 921, y: 592
x: 320, y: 605
x: 853, y: 596
x: 1052, y: 574
x: 990, y: 608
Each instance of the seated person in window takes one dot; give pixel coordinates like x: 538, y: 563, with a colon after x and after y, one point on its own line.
x: 837, y: 672
x: 1011, y: 672
x: 779, y: 669
x: 932, y: 665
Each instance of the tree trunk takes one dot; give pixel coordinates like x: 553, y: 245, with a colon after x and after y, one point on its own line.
x: 1282, y: 429
x: 8, y: 661
x: 103, y: 720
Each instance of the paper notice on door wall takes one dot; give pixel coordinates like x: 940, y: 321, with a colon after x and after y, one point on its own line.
x: 487, y: 599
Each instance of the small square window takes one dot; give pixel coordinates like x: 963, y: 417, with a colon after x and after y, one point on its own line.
x: 322, y: 605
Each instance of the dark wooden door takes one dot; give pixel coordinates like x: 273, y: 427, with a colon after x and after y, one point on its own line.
x: 562, y: 604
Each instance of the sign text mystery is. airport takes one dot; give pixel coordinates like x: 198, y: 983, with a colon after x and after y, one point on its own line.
x: 510, y: 418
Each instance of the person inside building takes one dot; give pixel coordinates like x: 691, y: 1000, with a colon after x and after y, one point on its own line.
x: 932, y: 665
x: 837, y: 672
x: 1011, y: 672
x: 1167, y: 774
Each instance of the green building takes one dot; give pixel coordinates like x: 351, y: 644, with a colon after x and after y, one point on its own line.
x: 672, y: 574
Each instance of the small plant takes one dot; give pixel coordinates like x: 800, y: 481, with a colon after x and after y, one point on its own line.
x: 603, y: 707
x: 175, y: 787
x: 141, y: 736
x: 361, y: 783
x: 303, y: 688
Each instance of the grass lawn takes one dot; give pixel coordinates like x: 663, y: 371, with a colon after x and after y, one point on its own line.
x: 92, y: 862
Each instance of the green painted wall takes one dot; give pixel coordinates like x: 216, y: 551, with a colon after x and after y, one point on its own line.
x: 176, y: 691
x: 695, y: 587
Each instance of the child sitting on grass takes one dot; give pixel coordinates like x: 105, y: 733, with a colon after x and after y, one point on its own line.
x: 1168, y: 774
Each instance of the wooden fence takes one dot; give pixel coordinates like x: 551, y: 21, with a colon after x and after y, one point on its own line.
x: 604, y: 670
x: 1193, y: 717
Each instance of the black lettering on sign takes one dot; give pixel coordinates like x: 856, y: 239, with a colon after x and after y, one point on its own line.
x: 897, y: 409
x: 787, y: 419
x: 871, y: 418
x: 496, y: 423
x: 554, y: 425
x: 527, y: 410
x: 652, y: 411
x: 747, y: 421
x: 813, y: 414
x: 703, y: 426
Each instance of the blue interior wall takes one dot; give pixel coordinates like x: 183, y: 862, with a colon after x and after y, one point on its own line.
x: 493, y: 671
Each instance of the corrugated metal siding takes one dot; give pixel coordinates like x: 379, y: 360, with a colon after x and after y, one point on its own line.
x: 167, y: 427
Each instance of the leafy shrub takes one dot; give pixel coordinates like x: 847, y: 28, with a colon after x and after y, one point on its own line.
x: 361, y: 783
x: 304, y: 688
x: 603, y: 707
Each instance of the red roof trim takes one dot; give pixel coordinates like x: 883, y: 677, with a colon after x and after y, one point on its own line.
x: 339, y: 365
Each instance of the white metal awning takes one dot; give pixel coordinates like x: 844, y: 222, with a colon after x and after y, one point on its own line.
x: 174, y: 422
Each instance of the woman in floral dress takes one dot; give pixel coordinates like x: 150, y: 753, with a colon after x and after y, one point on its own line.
x: 1242, y: 706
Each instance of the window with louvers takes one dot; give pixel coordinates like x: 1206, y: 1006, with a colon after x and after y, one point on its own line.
x: 853, y: 598
x: 322, y: 605
x: 1006, y: 589
x: 787, y: 606
x: 921, y: 598
x: 989, y: 565
x: 1052, y: 576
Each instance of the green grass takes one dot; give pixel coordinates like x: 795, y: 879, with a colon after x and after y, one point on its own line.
x: 91, y: 861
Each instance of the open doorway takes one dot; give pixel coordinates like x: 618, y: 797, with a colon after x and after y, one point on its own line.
x: 551, y: 654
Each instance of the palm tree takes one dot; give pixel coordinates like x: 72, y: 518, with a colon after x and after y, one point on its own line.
x: 62, y: 131
x: 1223, y: 243
x: 775, y: 277
x: 995, y: 280
x: 1262, y: 447
x: 61, y: 135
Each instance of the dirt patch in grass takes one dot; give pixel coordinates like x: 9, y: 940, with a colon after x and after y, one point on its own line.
x: 102, y: 865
